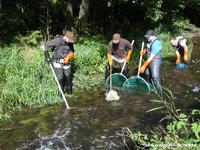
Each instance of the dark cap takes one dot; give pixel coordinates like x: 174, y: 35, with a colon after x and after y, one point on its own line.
x: 116, y: 38
x: 149, y: 33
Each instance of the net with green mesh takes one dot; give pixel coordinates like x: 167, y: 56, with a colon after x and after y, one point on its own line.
x: 137, y: 85
x: 118, y: 80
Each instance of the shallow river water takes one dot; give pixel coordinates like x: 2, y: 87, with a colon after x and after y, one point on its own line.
x: 92, y: 123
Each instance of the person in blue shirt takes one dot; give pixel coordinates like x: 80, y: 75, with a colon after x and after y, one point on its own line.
x: 151, y: 67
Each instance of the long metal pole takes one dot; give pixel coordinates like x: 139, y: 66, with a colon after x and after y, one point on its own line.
x: 60, y: 89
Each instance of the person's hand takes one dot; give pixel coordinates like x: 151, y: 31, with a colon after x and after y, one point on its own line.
x: 144, y: 66
x: 109, y: 59
x: 65, y: 60
x: 61, y: 61
x: 178, y: 59
x: 47, y: 58
x: 128, y: 55
x: 127, y: 58
x: 143, y: 52
x: 110, y: 62
x: 185, y: 58
x: 142, y: 69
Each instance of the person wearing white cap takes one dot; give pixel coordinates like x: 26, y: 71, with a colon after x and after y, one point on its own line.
x: 151, y: 67
x: 63, y: 52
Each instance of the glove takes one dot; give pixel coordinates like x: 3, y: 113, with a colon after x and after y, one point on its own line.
x: 185, y: 57
x: 68, y: 58
x: 143, y: 52
x: 144, y: 66
x: 109, y: 59
x: 178, y: 59
x: 47, y: 58
x: 128, y: 56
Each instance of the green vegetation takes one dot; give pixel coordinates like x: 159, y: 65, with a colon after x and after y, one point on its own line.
x: 181, y: 132
x: 89, y: 63
x: 27, y: 81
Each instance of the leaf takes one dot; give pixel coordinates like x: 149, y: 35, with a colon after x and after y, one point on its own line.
x: 157, y: 108
x: 156, y: 101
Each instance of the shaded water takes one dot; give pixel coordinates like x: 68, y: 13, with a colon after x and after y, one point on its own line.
x: 92, y: 123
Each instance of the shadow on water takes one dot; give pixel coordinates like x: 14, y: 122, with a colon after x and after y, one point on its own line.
x: 93, y: 123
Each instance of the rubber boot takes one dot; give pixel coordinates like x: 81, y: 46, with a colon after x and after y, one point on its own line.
x: 69, y: 85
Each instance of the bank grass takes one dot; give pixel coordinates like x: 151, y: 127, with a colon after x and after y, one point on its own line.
x: 27, y: 81
x: 182, y: 130
x: 89, y: 63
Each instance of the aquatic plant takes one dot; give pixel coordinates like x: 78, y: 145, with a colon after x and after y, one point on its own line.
x: 181, y: 132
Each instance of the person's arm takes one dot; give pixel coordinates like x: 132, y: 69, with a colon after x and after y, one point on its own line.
x: 109, y: 54
x: 185, y: 49
x: 51, y: 43
x: 47, y: 45
x: 156, y: 48
x: 129, y: 50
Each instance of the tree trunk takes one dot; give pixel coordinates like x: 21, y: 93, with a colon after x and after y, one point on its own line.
x: 69, y: 15
x: 83, y: 16
x: 0, y: 6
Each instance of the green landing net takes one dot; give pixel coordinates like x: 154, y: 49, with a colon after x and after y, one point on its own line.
x: 118, y: 80
x: 136, y: 84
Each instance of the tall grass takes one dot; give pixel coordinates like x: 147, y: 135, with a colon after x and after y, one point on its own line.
x: 181, y: 132
x: 90, y: 61
x: 25, y: 79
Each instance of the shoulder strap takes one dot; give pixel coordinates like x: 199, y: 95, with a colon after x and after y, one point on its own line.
x: 179, y: 41
x: 153, y: 42
x: 60, y: 41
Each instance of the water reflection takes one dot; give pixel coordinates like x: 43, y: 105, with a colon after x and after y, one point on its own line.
x: 92, y: 123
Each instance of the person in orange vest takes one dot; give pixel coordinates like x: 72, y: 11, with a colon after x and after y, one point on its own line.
x: 63, y: 52
x: 180, y: 47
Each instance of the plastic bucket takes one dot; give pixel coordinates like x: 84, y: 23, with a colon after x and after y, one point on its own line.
x: 180, y: 66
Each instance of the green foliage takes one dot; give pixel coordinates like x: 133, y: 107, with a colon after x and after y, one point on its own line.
x: 164, y: 37
x: 26, y: 81
x: 181, y: 23
x: 90, y: 61
x: 31, y: 38
x: 154, y: 12
x: 182, y: 132
x: 167, y: 101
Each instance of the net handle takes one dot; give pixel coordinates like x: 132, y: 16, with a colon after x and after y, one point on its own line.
x: 123, y: 67
x: 140, y: 61
x: 110, y: 77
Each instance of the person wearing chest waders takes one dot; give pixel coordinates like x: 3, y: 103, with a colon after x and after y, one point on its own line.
x: 63, y: 52
x: 151, y: 67
x: 119, y: 52
x: 180, y: 47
